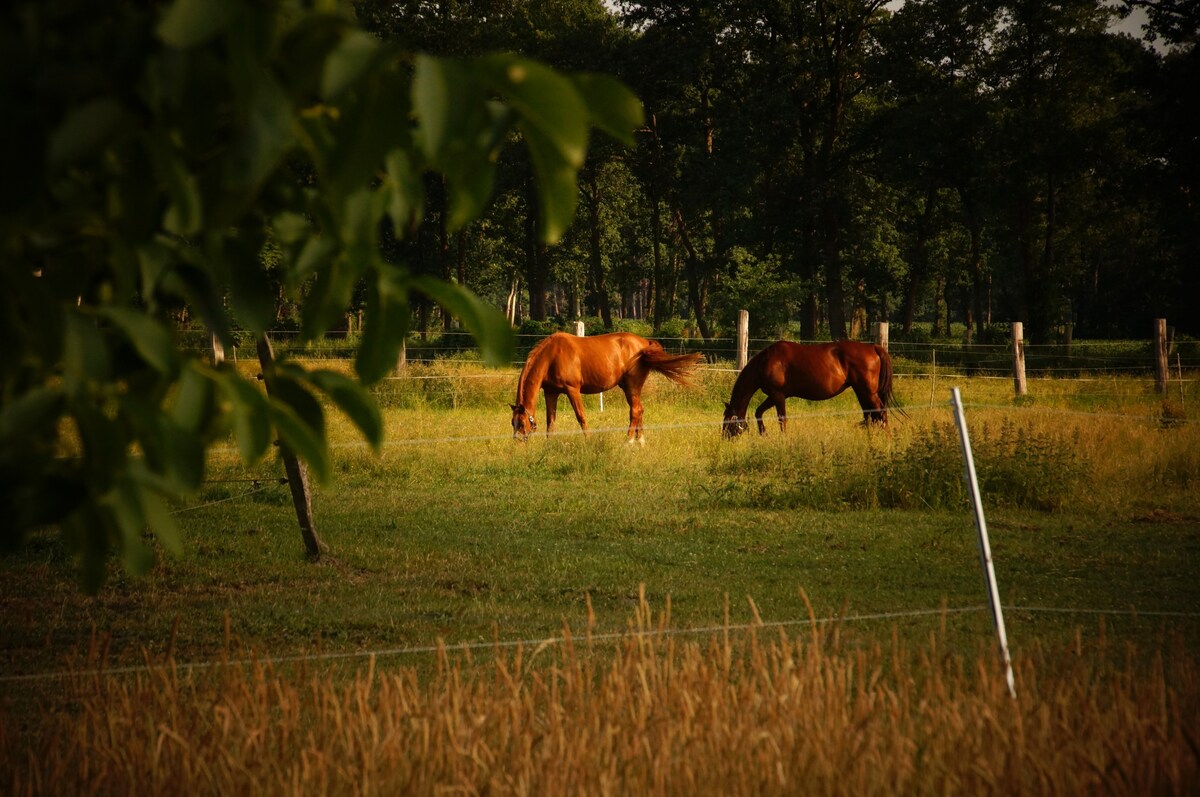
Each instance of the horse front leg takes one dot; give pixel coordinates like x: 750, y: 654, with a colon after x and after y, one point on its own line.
x: 551, y: 410
x: 576, y: 399
x: 779, y: 402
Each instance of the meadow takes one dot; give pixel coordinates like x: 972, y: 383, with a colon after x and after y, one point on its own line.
x: 727, y: 604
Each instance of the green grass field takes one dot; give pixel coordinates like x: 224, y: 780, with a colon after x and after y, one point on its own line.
x: 455, y: 532
x: 686, y: 572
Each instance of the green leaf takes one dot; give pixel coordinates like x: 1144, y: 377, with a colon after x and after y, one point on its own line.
x: 353, y: 400
x: 545, y: 100
x: 151, y: 339
x: 289, y: 389
x: 373, y: 120
x: 300, y: 438
x: 251, y: 417
x: 30, y: 412
x: 84, y: 357
x: 162, y: 522
x: 192, y: 407
x: 558, y: 192
x: 187, y: 23
x: 185, y: 214
x: 84, y: 132
x: 491, y: 329
x: 405, y: 193
x: 613, y: 108
x: 314, y: 257
x: 266, y: 137
x: 347, y: 63
x: 124, y: 505
x: 445, y: 96
x: 250, y: 289
x: 384, y: 327
x: 290, y: 227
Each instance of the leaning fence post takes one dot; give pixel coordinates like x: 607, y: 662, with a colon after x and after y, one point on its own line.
x: 743, y: 338
x: 1160, y: 355
x: 297, y: 471
x: 985, y: 548
x: 1018, y: 344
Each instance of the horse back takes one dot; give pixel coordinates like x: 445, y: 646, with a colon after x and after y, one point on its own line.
x: 593, y: 363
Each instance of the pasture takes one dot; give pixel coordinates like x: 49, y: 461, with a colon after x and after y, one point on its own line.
x: 841, y: 555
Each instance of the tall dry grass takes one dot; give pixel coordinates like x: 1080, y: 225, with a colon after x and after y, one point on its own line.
x: 760, y: 713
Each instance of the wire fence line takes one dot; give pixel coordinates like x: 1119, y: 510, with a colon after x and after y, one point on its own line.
x: 539, y: 644
x: 1104, y: 356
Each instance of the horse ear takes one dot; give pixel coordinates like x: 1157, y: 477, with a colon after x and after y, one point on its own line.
x: 512, y: 407
x: 727, y: 408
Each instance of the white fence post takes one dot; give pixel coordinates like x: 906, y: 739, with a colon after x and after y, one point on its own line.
x: 1018, y: 344
x: 743, y: 338
x: 985, y: 548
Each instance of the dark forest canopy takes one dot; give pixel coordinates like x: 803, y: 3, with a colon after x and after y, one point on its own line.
x: 831, y: 162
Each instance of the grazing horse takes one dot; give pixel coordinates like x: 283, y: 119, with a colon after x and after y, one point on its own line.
x: 574, y: 365
x: 815, y: 372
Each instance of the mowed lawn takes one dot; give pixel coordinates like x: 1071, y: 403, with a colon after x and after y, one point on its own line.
x: 455, y: 532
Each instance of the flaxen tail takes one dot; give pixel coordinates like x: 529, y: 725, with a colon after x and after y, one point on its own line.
x: 676, y: 367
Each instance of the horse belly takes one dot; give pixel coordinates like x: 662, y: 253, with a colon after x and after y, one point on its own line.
x: 816, y: 384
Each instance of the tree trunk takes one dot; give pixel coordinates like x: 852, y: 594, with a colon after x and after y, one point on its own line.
x: 535, y: 258
x: 595, y: 256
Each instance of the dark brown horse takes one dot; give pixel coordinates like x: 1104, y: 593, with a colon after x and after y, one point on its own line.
x: 815, y: 372
x: 573, y: 365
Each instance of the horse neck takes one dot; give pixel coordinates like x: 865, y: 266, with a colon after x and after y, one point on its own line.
x: 530, y: 380
x: 744, y: 387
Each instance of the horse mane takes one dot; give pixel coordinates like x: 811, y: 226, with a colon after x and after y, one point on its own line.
x: 533, y: 360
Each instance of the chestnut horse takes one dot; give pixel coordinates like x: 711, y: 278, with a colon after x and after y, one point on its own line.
x: 815, y: 372
x: 573, y: 365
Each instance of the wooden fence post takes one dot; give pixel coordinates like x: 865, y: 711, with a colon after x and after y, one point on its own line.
x: 297, y: 471
x: 402, y: 360
x: 1018, y: 344
x: 743, y: 338
x: 1160, y: 355
x: 881, y: 334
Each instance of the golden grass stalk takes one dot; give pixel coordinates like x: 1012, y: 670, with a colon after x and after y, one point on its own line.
x: 743, y: 713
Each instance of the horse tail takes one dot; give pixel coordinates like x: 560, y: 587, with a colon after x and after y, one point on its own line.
x: 886, y: 397
x: 676, y: 367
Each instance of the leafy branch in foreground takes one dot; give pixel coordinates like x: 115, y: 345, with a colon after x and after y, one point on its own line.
x: 150, y: 154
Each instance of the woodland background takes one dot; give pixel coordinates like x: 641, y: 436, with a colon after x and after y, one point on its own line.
x: 830, y: 163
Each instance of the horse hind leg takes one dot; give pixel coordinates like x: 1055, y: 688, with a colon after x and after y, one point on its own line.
x: 872, y: 407
x: 576, y: 400
x: 632, y: 389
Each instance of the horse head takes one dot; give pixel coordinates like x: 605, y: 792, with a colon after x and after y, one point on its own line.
x: 523, y: 422
x: 732, y: 425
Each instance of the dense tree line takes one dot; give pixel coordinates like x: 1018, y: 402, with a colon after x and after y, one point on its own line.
x: 827, y: 163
